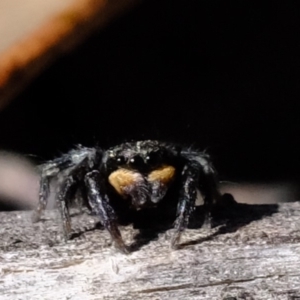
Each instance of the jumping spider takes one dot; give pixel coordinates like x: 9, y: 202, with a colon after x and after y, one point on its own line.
x: 136, y: 173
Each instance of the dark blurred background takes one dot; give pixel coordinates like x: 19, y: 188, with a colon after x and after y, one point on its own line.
x: 219, y: 75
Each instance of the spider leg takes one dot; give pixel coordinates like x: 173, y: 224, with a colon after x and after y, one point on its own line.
x: 208, y: 185
x: 188, y: 196
x: 72, y: 160
x: 208, y: 182
x: 48, y: 171
x: 43, y: 196
x: 63, y: 198
x: 198, y: 173
x: 211, y: 195
x: 99, y: 203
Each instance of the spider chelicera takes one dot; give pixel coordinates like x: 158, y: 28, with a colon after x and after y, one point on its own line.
x: 138, y: 174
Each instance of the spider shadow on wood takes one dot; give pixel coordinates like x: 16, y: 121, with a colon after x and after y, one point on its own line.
x: 228, y: 216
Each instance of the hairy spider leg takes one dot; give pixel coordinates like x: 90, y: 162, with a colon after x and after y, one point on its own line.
x: 198, y: 173
x: 48, y: 171
x: 211, y: 195
x: 99, y: 202
x: 63, y: 198
x: 43, y: 196
x: 208, y: 183
x: 65, y: 195
x: 186, y: 204
x: 74, y: 159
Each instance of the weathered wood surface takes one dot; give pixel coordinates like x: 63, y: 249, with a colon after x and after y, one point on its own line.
x: 255, y: 255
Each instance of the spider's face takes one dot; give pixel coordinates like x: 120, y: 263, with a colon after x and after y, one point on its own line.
x: 142, y: 156
x: 141, y: 170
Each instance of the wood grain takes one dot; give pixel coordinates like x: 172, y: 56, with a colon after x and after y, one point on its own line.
x: 253, y: 252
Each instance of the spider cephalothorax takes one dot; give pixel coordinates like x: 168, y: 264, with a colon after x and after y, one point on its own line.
x: 140, y: 172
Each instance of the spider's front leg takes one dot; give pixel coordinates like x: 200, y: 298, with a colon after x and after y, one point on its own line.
x: 99, y: 202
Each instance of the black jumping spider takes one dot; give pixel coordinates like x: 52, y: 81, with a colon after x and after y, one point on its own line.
x: 136, y: 173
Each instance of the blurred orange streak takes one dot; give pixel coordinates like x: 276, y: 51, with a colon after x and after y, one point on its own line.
x: 23, y: 61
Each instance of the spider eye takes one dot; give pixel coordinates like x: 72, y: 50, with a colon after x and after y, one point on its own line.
x: 120, y: 160
x: 152, y: 158
x: 136, y: 161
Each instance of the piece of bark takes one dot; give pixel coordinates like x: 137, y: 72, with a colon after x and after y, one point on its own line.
x: 253, y: 253
x: 25, y: 59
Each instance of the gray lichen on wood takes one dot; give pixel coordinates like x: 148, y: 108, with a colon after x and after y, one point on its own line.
x: 255, y: 256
